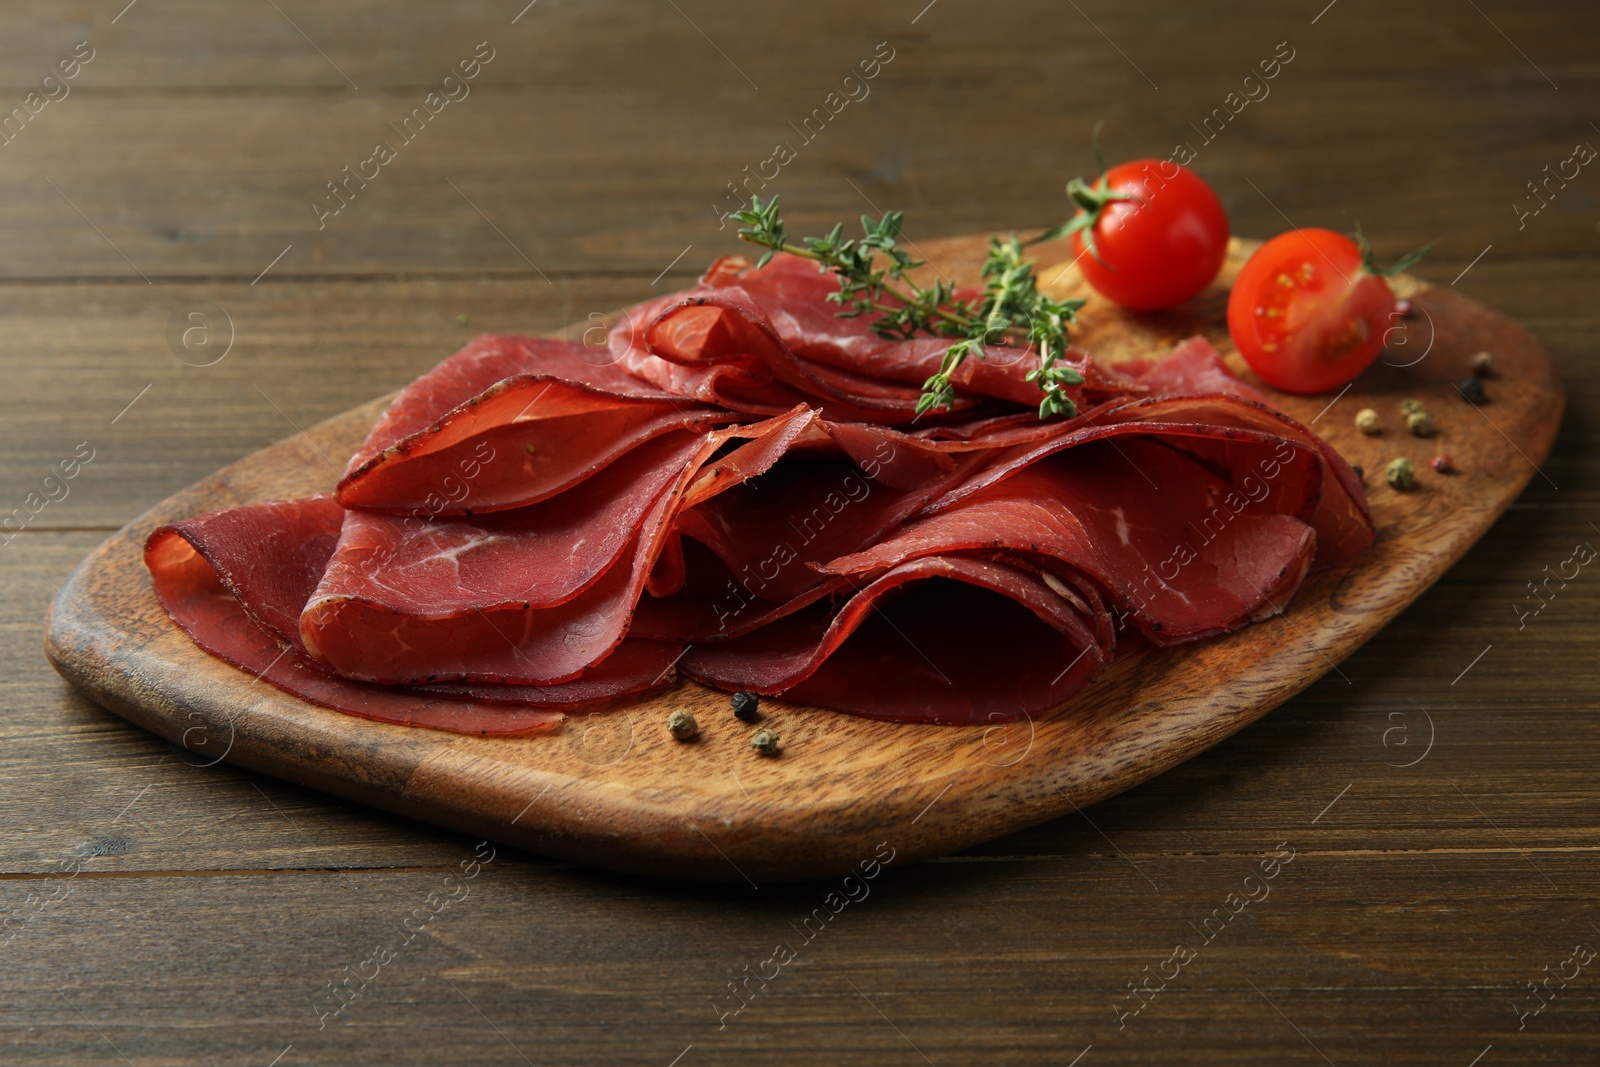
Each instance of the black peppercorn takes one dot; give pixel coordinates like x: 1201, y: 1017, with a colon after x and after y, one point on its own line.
x: 745, y: 705
x: 1471, y: 389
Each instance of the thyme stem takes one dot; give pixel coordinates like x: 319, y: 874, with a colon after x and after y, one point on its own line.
x: 1010, y: 309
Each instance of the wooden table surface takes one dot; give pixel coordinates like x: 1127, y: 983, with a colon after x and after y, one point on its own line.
x: 1437, y: 795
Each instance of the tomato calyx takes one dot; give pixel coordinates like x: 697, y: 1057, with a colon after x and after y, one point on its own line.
x: 1092, y: 201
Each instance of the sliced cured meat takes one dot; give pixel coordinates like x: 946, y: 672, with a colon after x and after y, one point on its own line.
x: 1193, y: 558
x: 1344, y: 523
x: 206, y: 570
x: 487, y: 361
x: 717, y: 346
x: 518, y: 439
x: 1214, y: 428
x: 407, y: 636
x: 942, y: 639
x: 792, y: 294
x: 536, y: 556
x: 235, y: 581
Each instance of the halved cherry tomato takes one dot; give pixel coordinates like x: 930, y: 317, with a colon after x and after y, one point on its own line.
x: 1149, y: 234
x: 1309, y: 311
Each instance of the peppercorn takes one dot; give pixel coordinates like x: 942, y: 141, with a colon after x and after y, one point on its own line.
x: 462, y: 319
x: 1408, y: 405
x: 745, y: 705
x: 681, y: 724
x: 1482, y: 364
x: 1444, y: 464
x: 1367, y: 421
x: 765, y: 742
x: 1471, y: 389
x: 1361, y: 475
x: 1400, y: 474
x: 1420, y: 423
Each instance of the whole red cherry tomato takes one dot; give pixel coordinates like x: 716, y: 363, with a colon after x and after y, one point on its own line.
x: 1149, y: 234
x: 1309, y: 310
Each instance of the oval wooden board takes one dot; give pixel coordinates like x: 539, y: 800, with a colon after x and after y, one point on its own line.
x: 614, y: 790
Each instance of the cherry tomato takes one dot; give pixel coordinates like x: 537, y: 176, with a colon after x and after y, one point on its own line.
x: 1149, y: 234
x: 1308, y: 311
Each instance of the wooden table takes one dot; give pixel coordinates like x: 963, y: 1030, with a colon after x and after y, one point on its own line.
x: 1438, y: 792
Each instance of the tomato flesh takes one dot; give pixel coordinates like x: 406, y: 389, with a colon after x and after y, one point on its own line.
x: 1306, y: 313
x: 1160, y: 248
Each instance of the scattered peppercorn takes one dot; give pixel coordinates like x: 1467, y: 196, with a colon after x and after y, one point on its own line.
x: 1444, y: 464
x: 462, y: 319
x: 765, y: 742
x: 1400, y: 474
x: 1408, y: 405
x: 681, y: 724
x: 1367, y: 421
x: 1403, y: 308
x: 746, y: 705
x: 1482, y: 364
x: 1361, y: 475
x: 1471, y: 389
x: 1420, y: 423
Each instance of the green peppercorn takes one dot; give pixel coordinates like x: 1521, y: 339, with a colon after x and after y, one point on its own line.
x: 1420, y: 423
x: 1400, y: 474
x: 745, y: 705
x: 462, y: 319
x: 1408, y: 405
x: 681, y: 725
x: 765, y: 742
x: 1367, y: 421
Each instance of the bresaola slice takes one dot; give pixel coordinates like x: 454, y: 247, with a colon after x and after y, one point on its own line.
x: 792, y: 296
x: 1195, y: 558
x: 494, y: 632
x: 926, y: 641
x: 507, y: 422
x: 235, y: 581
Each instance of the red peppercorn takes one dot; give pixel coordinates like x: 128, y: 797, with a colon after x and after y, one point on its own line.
x: 1444, y: 464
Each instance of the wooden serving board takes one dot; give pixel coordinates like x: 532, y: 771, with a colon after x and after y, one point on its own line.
x: 613, y: 789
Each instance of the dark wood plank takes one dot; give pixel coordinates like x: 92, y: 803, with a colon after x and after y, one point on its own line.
x: 1002, y: 961
x: 1417, y: 922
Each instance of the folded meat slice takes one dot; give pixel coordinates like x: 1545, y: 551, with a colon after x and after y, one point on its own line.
x: 1222, y: 432
x: 750, y: 554
x: 1344, y: 524
x: 536, y: 597
x: 505, y: 422
x: 1198, y: 554
x: 946, y: 639
x: 793, y: 294
x: 235, y: 582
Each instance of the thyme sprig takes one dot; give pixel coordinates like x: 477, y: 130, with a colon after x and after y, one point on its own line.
x: 871, y: 272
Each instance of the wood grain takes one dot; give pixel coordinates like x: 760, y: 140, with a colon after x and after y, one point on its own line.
x: 613, y: 790
x: 1422, y: 901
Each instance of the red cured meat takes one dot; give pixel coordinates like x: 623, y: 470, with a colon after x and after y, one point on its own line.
x: 793, y: 294
x: 1193, y: 559
x: 926, y: 641
x: 470, y: 437
x: 1213, y: 428
x: 235, y: 580
x: 403, y: 636
x: 1344, y: 524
